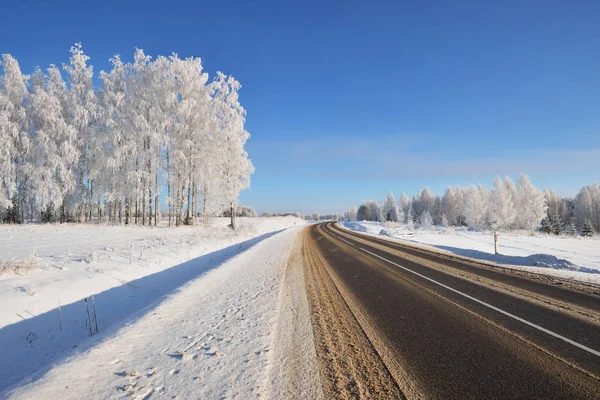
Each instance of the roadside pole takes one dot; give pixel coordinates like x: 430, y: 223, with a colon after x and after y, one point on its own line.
x: 495, y: 242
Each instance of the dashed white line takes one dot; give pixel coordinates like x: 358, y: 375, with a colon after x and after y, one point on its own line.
x: 549, y: 332
x: 346, y: 241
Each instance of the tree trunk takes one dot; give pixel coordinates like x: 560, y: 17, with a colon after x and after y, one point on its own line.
x: 81, y: 194
x: 187, y: 212
x: 156, y: 198
x: 194, y: 203
x: 176, y: 207
x: 143, y: 200
x: 204, y: 204
x: 168, y: 188
x: 232, y: 210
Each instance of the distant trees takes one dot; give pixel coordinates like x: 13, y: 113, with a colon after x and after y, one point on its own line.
x: 475, y: 202
x: 241, y: 211
x: 404, y: 206
x: 154, y: 128
x: 350, y: 214
x: 363, y: 213
x: 284, y: 214
x: 532, y: 206
x: 587, y: 207
x: 501, y: 207
x: 452, y: 205
x: 374, y: 210
x: 388, y: 209
x: 505, y: 206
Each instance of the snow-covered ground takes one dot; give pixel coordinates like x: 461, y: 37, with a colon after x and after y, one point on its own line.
x: 165, y: 299
x: 569, y: 257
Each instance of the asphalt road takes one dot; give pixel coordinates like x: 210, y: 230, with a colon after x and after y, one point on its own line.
x: 446, y: 328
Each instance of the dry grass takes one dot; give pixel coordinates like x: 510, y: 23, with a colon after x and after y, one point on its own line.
x: 19, y: 266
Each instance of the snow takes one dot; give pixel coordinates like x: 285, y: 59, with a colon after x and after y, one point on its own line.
x: 568, y: 257
x: 188, y: 296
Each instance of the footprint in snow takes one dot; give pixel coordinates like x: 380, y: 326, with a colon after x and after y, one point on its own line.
x: 182, y: 355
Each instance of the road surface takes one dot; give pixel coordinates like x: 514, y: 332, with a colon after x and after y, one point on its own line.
x: 391, y: 321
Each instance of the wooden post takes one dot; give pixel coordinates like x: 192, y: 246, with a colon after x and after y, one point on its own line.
x: 495, y: 242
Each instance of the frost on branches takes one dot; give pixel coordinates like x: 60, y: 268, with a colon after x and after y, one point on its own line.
x: 154, y: 131
x: 507, y: 206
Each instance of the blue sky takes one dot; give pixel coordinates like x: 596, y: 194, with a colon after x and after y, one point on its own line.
x: 349, y: 100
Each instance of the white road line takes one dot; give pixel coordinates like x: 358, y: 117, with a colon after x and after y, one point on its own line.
x: 346, y: 241
x: 549, y: 332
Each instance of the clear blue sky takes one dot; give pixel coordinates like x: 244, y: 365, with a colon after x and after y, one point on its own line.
x: 349, y: 100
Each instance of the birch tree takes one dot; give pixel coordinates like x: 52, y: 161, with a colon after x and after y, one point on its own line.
x: 234, y: 164
x: 13, y: 135
x: 80, y: 112
x: 501, y: 207
x: 532, y: 205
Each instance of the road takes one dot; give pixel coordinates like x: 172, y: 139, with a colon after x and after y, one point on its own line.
x: 391, y: 320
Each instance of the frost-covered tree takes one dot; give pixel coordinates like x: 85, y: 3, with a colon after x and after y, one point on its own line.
x: 80, y: 112
x: 363, y: 213
x: 388, y: 209
x: 531, y: 205
x: 235, y: 166
x: 13, y: 136
x: 552, y: 222
x: 119, y: 140
x: 426, y: 220
x: 44, y: 119
x: 416, y: 207
x: 374, y: 210
x: 445, y: 222
x: 452, y: 205
x: 404, y: 205
x: 501, y: 209
x: 587, y: 206
x: 475, y: 205
x: 350, y: 214
x: 427, y: 199
x: 588, y: 228
x: 109, y: 151
x: 194, y: 142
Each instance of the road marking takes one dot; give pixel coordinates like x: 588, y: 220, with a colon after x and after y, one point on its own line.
x: 549, y: 332
x: 346, y: 241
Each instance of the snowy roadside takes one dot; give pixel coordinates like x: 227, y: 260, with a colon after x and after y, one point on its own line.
x: 209, y: 339
x: 122, y: 291
x: 565, y: 257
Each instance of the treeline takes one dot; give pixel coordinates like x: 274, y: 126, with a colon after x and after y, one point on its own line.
x: 506, y: 206
x: 282, y: 214
x: 73, y: 152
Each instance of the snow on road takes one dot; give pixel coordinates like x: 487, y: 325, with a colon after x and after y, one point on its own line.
x: 157, y: 316
x: 568, y: 257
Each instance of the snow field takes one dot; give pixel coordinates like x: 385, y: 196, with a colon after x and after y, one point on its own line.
x: 568, y: 257
x: 30, y: 339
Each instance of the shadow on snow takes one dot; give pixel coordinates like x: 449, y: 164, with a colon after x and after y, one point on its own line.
x: 533, y: 260
x: 30, y: 348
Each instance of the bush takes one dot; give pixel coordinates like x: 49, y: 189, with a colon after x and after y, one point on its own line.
x: 240, y: 211
x: 588, y: 229
x: 19, y: 266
